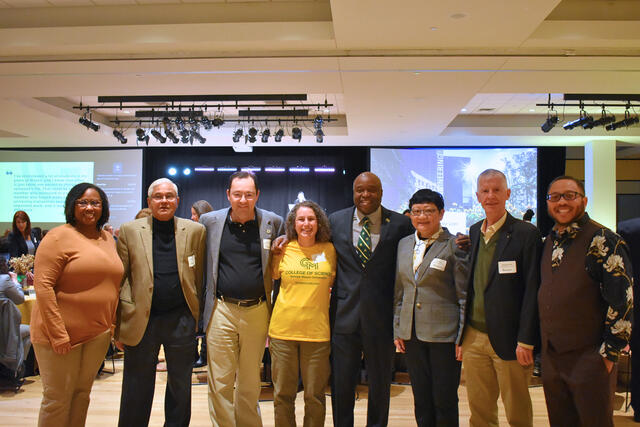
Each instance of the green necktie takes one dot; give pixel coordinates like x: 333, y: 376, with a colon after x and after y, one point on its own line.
x: 364, y: 242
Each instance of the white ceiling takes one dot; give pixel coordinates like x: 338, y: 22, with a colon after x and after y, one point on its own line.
x: 398, y: 75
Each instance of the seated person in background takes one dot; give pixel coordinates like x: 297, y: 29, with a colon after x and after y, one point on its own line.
x: 22, y: 239
x: 11, y: 289
x: 143, y: 213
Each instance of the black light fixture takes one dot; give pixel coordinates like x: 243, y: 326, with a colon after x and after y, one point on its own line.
x: 172, y: 136
x: 319, y: 134
x: 602, y: 121
x: 195, y: 134
x: 252, y: 134
x: 142, y: 136
x: 266, y: 133
x: 89, y: 124
x: 278, y: 135
x: 157, y: 135
x: 218, y: 119
x: 179, y: 123
x: 628, y: 120
x: 552, y: 120
x: 166, y: 122
x: 119, y: 136
x: 206, y: 123
x: 237, y: 135
x: 583, y: 120
x: 185, y: 136
x: 296, y: 133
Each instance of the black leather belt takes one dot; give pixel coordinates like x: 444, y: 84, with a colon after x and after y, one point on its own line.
x: 240, y: 302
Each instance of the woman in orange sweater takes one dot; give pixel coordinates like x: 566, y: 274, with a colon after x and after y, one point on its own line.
x: 77, y: 282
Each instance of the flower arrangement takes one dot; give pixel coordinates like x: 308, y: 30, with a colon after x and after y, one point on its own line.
x: 23, y: 264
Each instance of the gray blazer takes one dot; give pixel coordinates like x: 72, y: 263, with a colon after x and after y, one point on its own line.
x: 271, y: 226
x: 434, y: 298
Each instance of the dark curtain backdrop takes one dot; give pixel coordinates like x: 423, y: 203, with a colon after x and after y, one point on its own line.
x: 551, y: 164
x: 332, y: 191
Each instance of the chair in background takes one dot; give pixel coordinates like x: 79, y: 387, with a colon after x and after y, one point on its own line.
x: 11, y: 346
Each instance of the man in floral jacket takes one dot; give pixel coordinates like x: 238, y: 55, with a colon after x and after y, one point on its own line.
x: 585, y: 304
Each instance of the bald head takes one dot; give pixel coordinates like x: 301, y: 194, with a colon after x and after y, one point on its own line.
x: 367, y: 192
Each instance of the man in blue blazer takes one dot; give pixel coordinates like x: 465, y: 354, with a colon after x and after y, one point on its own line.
x: 238, y: 301
x: 366, y: 238
x: 502, y: 325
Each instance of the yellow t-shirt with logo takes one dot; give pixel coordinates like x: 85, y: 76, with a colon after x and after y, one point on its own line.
x: 301, y: 312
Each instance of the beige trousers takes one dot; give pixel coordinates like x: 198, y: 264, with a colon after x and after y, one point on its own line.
x: 67, y: 380
x: 487, y: 376
x: 236, y: 338
x: 312, y: 360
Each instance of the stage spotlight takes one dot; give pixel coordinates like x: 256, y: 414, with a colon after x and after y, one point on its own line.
x: 549, y: 123
x: 142, y: 136
x: 278, y: 135
x: 603, y: 120
x: 172, y: 171
x: 626, y: 122
x: 218, y: 121
x: 186, y: 171
x: 237, y: 135
x: 319, y: 136
x: 296, y: 133
x: 201, y: 139
x: 166, y: 122
x: 89, y: 124
x: 206, y: 123
x: 119, y: 136
x: 252, y: 134
x: 179, y: 123
x: 265, y: 135
x: 157, y: 135
x: 317, y: 122
x: 185, y: 136
x: 584, y: 119
x: 172, y: 136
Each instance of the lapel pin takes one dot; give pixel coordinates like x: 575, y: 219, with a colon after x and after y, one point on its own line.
x: 268, y: 231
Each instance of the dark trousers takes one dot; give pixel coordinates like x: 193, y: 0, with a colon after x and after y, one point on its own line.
x: 435, y: 376
x: 346, y: 351
x: 635, y: 367
x: 175, y: 331
x: 577, y: 388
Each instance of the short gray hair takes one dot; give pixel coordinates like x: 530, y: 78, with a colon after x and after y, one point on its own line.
x: 161, y: 181
x: 488, y: 173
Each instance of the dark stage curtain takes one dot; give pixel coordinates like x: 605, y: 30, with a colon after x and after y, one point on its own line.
x: 551, y: 164
x: 332, y: 191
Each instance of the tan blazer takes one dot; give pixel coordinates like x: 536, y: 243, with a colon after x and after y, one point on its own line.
x: 135, y: 247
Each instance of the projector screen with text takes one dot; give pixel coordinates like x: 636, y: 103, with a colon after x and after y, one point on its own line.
x: 453, y: 173
x: 37, y: 182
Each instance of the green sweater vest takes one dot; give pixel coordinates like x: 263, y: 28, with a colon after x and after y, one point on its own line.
x: 480, y: 279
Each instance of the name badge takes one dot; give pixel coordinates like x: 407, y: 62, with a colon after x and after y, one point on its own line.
x: 438, y: 264
x: 507, y: 267
x: 266, y: 244
x: 192, y: 260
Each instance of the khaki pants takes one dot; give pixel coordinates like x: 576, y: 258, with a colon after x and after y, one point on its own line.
x: 67, y: 380
x: 236, y: 339
x: 312, y: 359
x: 487, y: 377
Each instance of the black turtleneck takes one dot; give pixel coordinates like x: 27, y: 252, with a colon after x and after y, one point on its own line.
x: 167, y: 292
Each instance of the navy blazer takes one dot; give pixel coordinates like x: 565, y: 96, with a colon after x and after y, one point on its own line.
x: 510, y: 300
x: 364, y: 296
x: 18, y: 246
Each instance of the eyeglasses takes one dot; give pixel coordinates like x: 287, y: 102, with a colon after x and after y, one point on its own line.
x: 161, y: 197
x: 247, y: 196
x: 426, y: 212
x: 85, y: 203
x: 567, y: 195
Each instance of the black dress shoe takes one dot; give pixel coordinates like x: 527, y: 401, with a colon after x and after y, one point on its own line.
x: 199, y: 363
x: 636, y: 417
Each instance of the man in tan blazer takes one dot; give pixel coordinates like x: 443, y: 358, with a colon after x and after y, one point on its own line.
x: 159, y: 305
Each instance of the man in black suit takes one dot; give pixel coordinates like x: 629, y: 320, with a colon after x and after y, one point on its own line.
x: 502, y: 325
x: 630, y: 232
x: 366, y: 238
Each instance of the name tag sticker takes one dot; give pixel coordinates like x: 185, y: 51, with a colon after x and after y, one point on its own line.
x: 266, y: 244
x: 507, y: 267
x: 438, y: 264
x: 192, y: 260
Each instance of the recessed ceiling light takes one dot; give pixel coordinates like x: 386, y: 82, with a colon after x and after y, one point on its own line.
x: 532, y: 110
x: 417, y: 73
x: 464, y: 110
x: 433, y: 28
x: 458, y: 15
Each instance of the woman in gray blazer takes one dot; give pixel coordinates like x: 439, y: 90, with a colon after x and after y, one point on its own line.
x: 429, y: 302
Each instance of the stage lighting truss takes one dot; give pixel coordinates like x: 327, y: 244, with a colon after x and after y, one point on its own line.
x: 586, y: 120
x: 188, y: 118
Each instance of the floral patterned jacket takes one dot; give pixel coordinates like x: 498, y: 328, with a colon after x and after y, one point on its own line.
x: 608, y: 263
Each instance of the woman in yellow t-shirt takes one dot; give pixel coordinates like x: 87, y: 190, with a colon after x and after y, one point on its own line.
x: 299, y: 328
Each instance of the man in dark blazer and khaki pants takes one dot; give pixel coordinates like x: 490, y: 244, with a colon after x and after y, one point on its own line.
x: 502, y: 324
x: 361, y: 309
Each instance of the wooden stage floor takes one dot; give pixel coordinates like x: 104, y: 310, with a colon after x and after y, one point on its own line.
x: 21, y: 409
